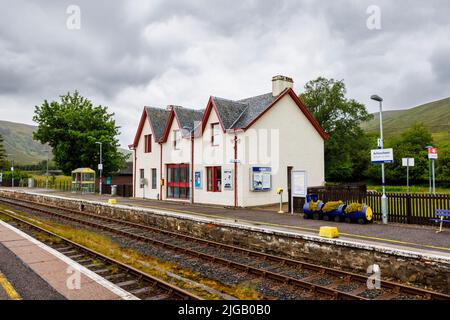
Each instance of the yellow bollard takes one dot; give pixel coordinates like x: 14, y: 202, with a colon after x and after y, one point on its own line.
x: 329, y: 232
x: 112, y: 201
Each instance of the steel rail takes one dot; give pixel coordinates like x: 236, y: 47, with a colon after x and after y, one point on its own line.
x: 171, y: 290
x: 394, y: 288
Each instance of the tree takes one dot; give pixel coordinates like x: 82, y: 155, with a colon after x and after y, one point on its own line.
x: 2, y: 153
x: 72, y: 126
x: 347, y: 152
x: 410, y: 144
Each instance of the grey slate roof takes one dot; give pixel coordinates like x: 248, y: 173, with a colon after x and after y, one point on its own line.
x: 158, y: 118
x: 189, y: 118
x: 229, y: 111
x: 255, y: 106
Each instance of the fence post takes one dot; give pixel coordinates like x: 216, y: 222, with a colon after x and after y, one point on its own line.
x: 408, y: 209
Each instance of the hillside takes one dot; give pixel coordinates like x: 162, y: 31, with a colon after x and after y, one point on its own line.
x: 434, y: 115
x: 19, y: 142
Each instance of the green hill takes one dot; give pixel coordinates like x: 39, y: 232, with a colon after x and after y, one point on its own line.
x: 19, y: 142
x: 434, y: 115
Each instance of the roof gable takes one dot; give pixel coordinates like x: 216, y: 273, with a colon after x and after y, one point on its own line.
x: 157, y: 119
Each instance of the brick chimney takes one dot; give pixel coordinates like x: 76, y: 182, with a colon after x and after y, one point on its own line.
x: 280, y: 83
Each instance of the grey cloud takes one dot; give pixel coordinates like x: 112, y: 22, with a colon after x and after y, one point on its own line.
x: 166, y: 51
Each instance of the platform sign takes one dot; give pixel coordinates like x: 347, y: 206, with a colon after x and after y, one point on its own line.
x: 408, y: 162
x: 382, y: 156
x: 108, y: 180
x: 432, y: 153
x: 261, y: 178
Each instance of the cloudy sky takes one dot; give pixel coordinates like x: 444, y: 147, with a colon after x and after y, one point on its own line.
x: 127, y: 54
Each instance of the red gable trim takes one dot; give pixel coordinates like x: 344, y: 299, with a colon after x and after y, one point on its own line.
x: 207, y: 112
x: 172, y: 115
x: 139, y: 130
x: 302, y: 107
x: 140, y: 127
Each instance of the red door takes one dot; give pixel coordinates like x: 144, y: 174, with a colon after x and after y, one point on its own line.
x: 178, y: 186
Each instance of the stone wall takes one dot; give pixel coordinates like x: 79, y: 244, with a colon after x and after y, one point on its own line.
x: 411, y: 267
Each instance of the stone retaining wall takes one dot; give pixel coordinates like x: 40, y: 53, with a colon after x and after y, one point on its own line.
x: 424, y: 270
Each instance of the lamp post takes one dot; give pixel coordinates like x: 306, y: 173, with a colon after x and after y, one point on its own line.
x: 46, y: 173
x: 100, y: 168
x: 12, y: 170
x: 384, y: 210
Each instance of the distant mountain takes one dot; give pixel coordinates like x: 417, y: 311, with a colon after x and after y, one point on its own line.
x: 19, y: 142
x: 434, y: 115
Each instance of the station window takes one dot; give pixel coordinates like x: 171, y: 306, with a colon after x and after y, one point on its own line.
x: 148, y: 143
x: 214, y: 179
x: 176, y: 139
x: 154, y: 178
x: 215, y: 134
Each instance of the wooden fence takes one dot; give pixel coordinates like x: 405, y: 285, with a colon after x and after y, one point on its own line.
x: 415, y: 208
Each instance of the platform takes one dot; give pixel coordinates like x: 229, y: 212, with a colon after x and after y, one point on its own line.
x: 416, y: 238
x: 31, y: 270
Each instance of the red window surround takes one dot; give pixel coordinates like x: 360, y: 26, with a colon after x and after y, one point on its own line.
x: 215, y: 131
x: 214, y: 179
x: 148, y: 143
x: 178, y: 185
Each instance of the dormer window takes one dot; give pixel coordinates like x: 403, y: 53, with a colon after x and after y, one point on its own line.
x: 215, y: 134
x: 176, y: 139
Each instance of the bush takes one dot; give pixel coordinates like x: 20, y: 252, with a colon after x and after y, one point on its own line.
x: 331, y: 206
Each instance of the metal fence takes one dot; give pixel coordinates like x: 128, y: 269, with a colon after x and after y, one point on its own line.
x: 412, y: 208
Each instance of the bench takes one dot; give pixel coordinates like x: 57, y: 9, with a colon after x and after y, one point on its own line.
x: 441, y: 214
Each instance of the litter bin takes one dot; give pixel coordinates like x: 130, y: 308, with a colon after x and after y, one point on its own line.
x: 113, y: 190
x: 30, y: 183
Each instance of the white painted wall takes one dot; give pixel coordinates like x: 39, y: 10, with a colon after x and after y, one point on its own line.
x: 282, y: 137
x: 172, y: 156
x: 147, y: 161
x: 290, y: 140
x: 205, y: 155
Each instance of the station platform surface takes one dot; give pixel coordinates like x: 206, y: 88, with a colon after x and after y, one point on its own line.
x: 417, y: 238
x: 30, y: 270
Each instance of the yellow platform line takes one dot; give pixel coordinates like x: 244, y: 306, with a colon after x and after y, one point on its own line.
x: 9, y: 289
x: 298, y: 228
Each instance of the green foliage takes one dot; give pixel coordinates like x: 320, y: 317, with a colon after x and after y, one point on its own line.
x: 347, y: 150
x: 314, y: 206
x: 72, y: 126
x: 411, y: 143
x: 331, y: 206
x: 18, y: 175
x: 354, y: 207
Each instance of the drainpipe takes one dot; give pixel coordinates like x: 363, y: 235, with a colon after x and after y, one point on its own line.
x: 192, y: 168
x: 134, y: 176
x: 235, y: 170
x: 160, y: 171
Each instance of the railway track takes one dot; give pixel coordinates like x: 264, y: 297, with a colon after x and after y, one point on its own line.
x: 316, y: 279
x: 139, y: 284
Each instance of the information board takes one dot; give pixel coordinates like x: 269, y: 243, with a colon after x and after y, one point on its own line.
x: 261, y: 178
x: 227, y: 179
x: 197, y: 179
x: 298, y: 183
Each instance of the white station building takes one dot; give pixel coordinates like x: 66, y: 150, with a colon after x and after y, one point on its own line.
x: 232, y: 153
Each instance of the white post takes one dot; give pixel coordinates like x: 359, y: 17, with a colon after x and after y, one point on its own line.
x: 434, y: 178
x: 407, y: 175
x: 383, y: 197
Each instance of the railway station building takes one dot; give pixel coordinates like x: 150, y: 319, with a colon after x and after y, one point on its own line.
x: 231, y: 153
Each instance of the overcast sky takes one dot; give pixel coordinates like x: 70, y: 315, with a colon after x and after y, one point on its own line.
x: 127, y: 54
